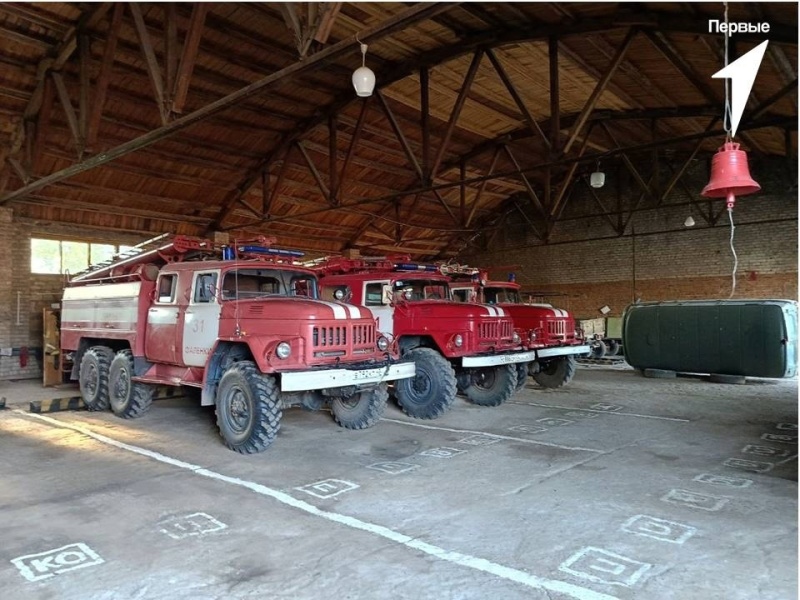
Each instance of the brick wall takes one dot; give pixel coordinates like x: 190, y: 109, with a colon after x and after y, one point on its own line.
x: 657, y: 257
x: 22, y: 301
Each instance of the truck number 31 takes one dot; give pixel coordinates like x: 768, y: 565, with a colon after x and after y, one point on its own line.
x: 198, y: 326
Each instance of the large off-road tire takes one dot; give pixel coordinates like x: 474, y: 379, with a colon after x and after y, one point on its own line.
x: 128, y: 399
x: 93, y: 377
x: 362, y: 409
x: 612, y: 347
x: 556, y: 372
x: 522, y: 375
x: 491, y: 386
x: 598, y: 349
x: 432, y: 391
x: 248, y: 408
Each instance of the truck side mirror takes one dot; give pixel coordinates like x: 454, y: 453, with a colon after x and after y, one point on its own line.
x: 386, y: 294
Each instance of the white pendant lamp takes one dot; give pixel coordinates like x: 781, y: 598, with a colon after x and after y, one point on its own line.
x: 363, y: 77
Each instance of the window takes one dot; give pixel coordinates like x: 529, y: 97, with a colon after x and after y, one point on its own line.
x: 373, y: 295
x: 62, y: 256
x: 205, y: 287
x: 166, y: 288
x: 461, y: 295
x: 242, y: 284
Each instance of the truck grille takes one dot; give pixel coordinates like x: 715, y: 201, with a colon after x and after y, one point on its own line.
x: 496, y: 330
x: 337, y: 336
x: 557, y: 328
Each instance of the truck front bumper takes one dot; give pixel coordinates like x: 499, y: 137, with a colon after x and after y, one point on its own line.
x: 300, y: 381
x: 493, y: 360
x: 562, y: 351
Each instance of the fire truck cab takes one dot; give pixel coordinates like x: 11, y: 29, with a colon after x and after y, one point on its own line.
x: 244, y: 324
x: 472, y: 348
x: 550, y: 332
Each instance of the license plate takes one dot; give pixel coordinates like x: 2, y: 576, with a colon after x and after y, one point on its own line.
x: 367, y: 374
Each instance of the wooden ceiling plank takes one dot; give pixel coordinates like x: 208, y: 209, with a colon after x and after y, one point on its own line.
x: 69, y: 111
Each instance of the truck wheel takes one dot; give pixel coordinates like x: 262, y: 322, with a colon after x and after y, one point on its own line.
x: 362, y: 409
x: 128, y: 399
x: 612, y: 347
x: 248, y: 408
x: 93, y: 377
x: 491, y: 386
x: 522, y: 375
x: 598, y: 349
x: 556, y: 372
x: 432, y: 390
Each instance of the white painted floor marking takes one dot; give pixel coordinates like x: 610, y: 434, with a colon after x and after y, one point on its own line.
x: 659, y: 529
x: 603, y: 412
x: 786, y: 426
x: 786, y: 460
x: 602, y: 406
x: 615, y: 569
x: 495, y: 435
x: 196, y: 524
x: 442, y: 452
x: 551, y: 422
x: 457, y: 558
x: 777, y: 437
x: 44, y: 565
x: 707, y: 502
x: 765, y: 451
x: 724, y: 480
x: 393, y: 468
x: 479, y: 440
x: 328, y: 488
x: 749, y: 465
x: 587, y: 414
x: 524, y: 428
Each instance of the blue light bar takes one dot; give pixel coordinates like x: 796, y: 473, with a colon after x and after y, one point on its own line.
x: 273, y: 251
x: 416, y: 267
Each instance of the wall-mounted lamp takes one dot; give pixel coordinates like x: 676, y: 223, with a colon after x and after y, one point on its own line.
x: 363, y: 77
x: 689, y: 222
x: 598, y: 178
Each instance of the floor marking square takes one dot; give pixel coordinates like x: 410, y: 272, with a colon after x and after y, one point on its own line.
x: 47, y: 564
x: 734, y: 482
x: 606, y: 407
x: 695, y: 500
x: 442, y: 452
x: 764, y: 450
x: 749, y: 465
x: 551, y: 422
x: 659, y: 529
x: 778, y: 437
x: 479, y: 440
x: 393, y: 468
x: 185, y: 526
x: 581, y: 414
x: 602, y: 566
x: 531, y: 429
x: 328, y: 488
x: 786, y: 426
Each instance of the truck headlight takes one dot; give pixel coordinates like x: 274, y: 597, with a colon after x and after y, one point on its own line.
x: 283, y: 350
x: 458, y: 340
x: 383, y: 344
x: 515, y: 338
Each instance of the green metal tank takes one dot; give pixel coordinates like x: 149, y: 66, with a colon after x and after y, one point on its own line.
x: 754, y: 338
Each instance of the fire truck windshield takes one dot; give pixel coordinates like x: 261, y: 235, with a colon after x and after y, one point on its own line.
x: 241, y: 284
x: 497, y: 295
x: 421, y: 289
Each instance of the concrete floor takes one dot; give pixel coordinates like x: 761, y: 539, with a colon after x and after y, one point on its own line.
x: 615, y: 487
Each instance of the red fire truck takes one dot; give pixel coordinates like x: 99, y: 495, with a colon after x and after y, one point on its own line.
x: 242, y: 323
x: 472, y: 348
x: 549, y: 331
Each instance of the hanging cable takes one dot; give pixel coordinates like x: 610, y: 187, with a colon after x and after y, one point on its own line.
x: 735, y: 258
x: 727, y: 116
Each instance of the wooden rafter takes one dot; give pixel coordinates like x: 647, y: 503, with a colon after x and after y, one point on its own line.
x: 104, y: 77
x: 534, y: 198
x: 599, y: 88
x: 153, y: 68
x: 189, y: 56
x: 69, y: 111
x: 326, y: 193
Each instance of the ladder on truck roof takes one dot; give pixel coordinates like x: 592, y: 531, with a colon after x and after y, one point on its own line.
x: 155, y: 250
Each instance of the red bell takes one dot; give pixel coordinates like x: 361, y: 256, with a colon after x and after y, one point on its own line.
x: 730, y: 175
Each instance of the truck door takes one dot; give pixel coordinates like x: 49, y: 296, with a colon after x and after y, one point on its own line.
x: 373, y: 292
x: 161, y: 339
x: 201, y: 319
